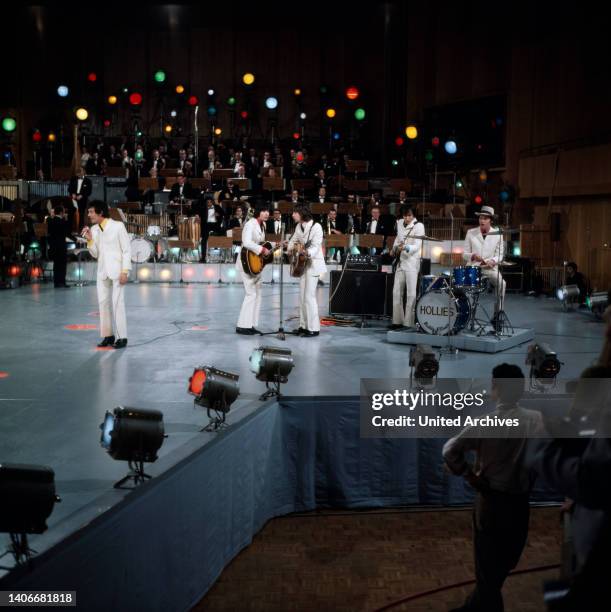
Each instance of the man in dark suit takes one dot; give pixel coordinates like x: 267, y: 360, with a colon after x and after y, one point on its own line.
x: 80, y: 189
x: 230, y: 192
x: 211, y: 218
x: 182, y: 189
x: 274, y: 225
x: 237, y: 220
x: 58, y: 229
x: 376, y: 225
x: 334, y: 225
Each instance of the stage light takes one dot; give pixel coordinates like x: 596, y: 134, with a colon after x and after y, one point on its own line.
x: 159, y: 76
x: 517, y: 251
x: 211, y: 110
x: 139, y: 154
x: 36, y: 136
x: 450, y: 147
x: 167, y: 129
x: 214, y: 390
x: 568, y: 295
x: 297, y: 91
x: 543, y: 362
x: 211, y: 92
x: 428, y: 155
x: 165, y: 274
x: 504, y: 196
x: 106, y: 122
x: 231, y: 101
x: 28, y: 498
x: 352, y: 93
x: 112, y: 100
x: 180, y: 89
x: 248, y: 78
x: 395, y: 162
x: 51, y: 137
x: 483, y: 176
x: 133, y: 435
x: 399, y: 141
x: 424, y: 364
x: 92, y: 77
x: 302, y: 116
x: 411, y: 131
x: 331, y: 113
x: 125, y: 90
x: 193, y: 101
x: 82, y: 114
x: 478, y: 199
x: 359, y: 114
x: 62, y: 91
x: 139, y: 134
x: 144, y: 273
x: 218, y: 131
x: 244, y: 114
x: 135, y: 99
x: 272, y: 365
x: 9, y: 124
x: 271, y: 103
x: 323, y: 89
x: 597, y: 302
x: 435, y: 141
x: 296, y: 135
x: 459, y: 184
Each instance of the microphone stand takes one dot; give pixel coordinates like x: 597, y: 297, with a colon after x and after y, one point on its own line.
x: 449, y: 348
x: 502, y: 324
x: 280, y: 333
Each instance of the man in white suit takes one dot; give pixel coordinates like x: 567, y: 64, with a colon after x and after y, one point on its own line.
x: 408, y: 249
x: 484, y: 246
x: 109, y: 243
x: 253, y: 234
x: 310, y: 235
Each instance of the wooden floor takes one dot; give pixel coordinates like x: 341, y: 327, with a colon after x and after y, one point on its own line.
x: 363, y: 561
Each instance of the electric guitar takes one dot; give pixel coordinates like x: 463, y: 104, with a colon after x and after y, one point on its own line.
x: 252, y: 263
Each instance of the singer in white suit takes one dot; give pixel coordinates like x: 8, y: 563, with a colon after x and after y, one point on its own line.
x: 253, y: 234
x: 408, y: 249
x: 109, y: 243
x: 484, y: 246
x: 310, y: 235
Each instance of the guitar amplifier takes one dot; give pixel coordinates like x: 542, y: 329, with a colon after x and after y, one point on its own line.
x: 363, y: 262
x: 360, y: 293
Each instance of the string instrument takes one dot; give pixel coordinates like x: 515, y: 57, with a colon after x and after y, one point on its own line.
x: 252, y: 263
x: 298, y: 260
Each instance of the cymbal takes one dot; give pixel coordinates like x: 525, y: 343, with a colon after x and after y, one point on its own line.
x: 430, y: 238
x: 507, y: 230
x: 508, y: 263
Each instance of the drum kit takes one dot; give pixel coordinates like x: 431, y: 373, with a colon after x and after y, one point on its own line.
x: 155, y: 247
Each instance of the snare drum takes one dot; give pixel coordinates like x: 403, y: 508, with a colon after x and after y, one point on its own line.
x: 153, y: 231
x: 459, y: 276
x: 443, y: 312
x: 142, y: 250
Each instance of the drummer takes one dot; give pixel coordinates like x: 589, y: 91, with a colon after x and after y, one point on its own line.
x: 484, y: 247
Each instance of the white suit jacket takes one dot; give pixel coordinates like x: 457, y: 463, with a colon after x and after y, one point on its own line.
x: 111, y: 247
x: 410, y: 257
x: 491, y: 247
x: 252, y: 235
x: 312, y: 236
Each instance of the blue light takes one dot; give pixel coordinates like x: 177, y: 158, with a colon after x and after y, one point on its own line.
x: 504, y: 196
x: 62, y: 91
x: 271, y: 103
x: 212, y: 110
x: 256, y: 358
x: 517, y: 251
x: 450, y: 147
x: 107, y: 428
x: 336, y: 136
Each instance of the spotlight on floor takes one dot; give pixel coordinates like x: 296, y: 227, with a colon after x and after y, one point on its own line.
x: 272, y: 365
x: 133, y: 435
x: 424, y: 364
x: 215, y: 390
x: 597, y: 302
x: 568, y: 295
x: 28, y: 497
x: 544, y: 364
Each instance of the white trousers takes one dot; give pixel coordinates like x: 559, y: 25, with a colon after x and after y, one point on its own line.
x: 251, y: 306
x: 113, y: 321
x: 308, y: 313
x: 405, y: 280
x: 495, y: 278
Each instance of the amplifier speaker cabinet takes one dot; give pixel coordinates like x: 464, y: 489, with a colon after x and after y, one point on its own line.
x: 360, y: 293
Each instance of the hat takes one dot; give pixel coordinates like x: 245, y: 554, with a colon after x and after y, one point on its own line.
x: 486, y: 210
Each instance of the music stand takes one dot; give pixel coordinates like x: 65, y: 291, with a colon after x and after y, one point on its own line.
x: 286, y: 208
x: 370, y: 241
x: 336, y: 241
x: 183, y: 245
x: 273, y: 184
x: 319, y: 208
x: 219, y: 242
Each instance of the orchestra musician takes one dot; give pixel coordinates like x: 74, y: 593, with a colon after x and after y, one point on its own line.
x: 408, y: 250
x: 181, y: 190
x: 253, y: 234
x: 211, y: 218
x: 274, y: 225
x: 80, y: 188
x: 335, y: 226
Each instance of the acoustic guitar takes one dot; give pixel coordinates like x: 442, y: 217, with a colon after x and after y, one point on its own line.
x: 298, y: 260
x: 252, y: 263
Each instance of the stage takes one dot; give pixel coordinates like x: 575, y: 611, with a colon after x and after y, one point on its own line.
x: 55, y: 388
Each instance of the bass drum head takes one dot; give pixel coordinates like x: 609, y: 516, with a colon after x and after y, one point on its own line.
x: 441, y: 312
x: 141, y: 249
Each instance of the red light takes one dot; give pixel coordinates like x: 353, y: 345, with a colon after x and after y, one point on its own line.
x: 36, y: 136
x: 352, y: 93
x: 135, y: 99
x: 299, y: 156
x: 92, y: 77
x: 14, y: 271
x: 479, y: 147
x: 35, y: 272
x: 478, y: 199
x: 296, y: 135
x: 399, y: 141
x: 197, y: 382
x: 244, y: 114
x: 435, y: 141
x: 106, y: 122
x: 193, y: 101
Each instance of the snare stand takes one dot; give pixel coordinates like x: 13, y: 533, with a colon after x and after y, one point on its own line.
x: 449, y: 349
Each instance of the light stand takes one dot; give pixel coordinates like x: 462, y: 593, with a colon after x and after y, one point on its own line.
x: 19, y: 549
x: 136, y: 474
x: 218, y: 421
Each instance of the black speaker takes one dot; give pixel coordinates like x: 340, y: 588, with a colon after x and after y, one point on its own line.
x: 425, y: 266
x: 555, y: 220
x: 359, y: 293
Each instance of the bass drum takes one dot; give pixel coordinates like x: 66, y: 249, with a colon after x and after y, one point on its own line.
x: 142, y: 250
x: 442, y: 312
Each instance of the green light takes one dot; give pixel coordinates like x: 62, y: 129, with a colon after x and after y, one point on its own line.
x: 139, y: 134
x: 34, y: 245
x: 517, y: 251
x: 459, y: 184
x: 359, y: 114
x: 139, y: 155
x: 160, y: 76
x: 323, y: 89
x: 231, y: 101
x: 9, y: 124
x: 588, y: 302
x: 394, y: 162
x: 428, y: 155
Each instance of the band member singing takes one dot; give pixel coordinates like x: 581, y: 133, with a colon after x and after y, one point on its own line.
x: 408, y: 250
x: 484, y: 246
x: 108, y: 242
x: 253, y: 234
x: 310, y: 236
